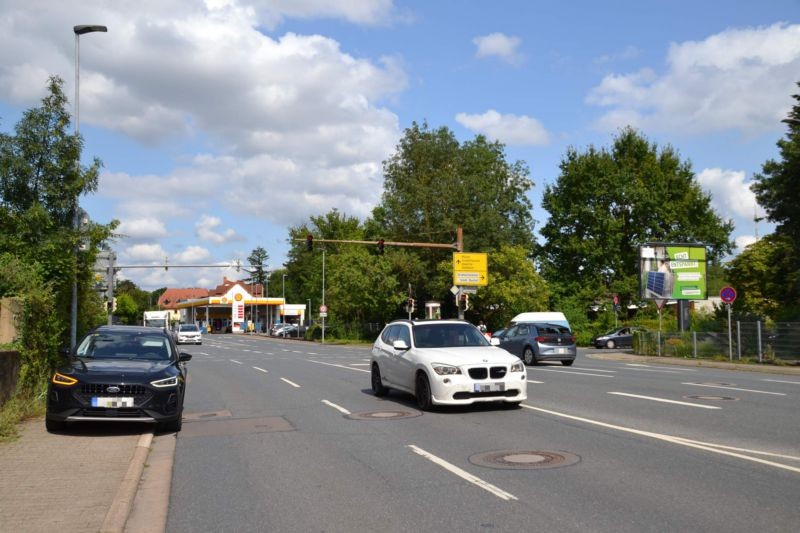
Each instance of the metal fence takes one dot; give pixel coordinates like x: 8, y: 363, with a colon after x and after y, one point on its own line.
x: 745, y: 340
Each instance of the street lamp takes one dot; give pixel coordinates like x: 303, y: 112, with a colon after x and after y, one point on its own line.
x: 78, y: 30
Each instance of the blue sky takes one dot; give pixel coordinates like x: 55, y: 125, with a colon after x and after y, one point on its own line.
x: 222, y: 123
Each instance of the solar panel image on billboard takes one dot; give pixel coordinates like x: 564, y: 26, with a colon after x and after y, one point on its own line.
x: 672, y: 271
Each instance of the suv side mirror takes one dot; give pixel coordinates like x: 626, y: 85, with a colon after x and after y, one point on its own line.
x: 183, y: 357
x: 400, y: 345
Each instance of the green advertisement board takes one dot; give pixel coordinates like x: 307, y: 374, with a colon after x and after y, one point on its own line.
x: 672, y: 271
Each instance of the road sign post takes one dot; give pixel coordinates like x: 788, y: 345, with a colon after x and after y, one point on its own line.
x: 728, y: 295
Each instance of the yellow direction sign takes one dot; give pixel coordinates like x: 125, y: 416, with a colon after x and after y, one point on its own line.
x: 470, y: 269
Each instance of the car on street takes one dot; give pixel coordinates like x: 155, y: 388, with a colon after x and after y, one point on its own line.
x: 188, y: 334
x: 616, y: 338
x: 534, y: 342
x: 120, y: 374
x: 444, y: 362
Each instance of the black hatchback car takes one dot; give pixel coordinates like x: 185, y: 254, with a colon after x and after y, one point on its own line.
x: 534, y: 342
x: 120, y: 374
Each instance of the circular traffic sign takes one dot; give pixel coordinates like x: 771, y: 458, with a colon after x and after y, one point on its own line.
x: 323, y: 308
x: 728, y: 294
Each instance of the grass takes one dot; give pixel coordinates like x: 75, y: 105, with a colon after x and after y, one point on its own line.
x: 20, y: 407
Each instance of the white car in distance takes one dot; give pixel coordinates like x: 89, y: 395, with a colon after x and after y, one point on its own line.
x: 188, y: 334
x: 445, y: 362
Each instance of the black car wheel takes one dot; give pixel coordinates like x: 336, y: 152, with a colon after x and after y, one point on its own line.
x: 568, y: 363
x: 529, y: 357
x: 423, y: 392
x: 171, y: 427
x: 54, y: 425
x: 610, y: 344
x: 377, y: 385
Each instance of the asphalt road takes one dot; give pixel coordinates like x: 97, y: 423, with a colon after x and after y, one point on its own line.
x: 275, y: 444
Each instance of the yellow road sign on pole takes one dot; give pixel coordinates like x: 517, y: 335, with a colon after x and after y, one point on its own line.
x: 470, y: 269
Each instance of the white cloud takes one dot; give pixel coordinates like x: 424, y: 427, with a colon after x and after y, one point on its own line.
x: 508, y: 129
x: 743, y: 241
x: 629, y: 52
x: 145, y: 252
x: 367, y: 12
x: 205, y: 230
x: 498, y: 45
x: 142, y: 228
x: 731, y: 196
x: 192, y: 255
x: 740, y: 79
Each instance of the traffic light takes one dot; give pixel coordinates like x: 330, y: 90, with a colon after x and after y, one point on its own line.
x: 410, y: 305
x: 380, y: 247
x: 309, y: 242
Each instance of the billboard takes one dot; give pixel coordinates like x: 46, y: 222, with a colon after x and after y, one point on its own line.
x: 672, y: 271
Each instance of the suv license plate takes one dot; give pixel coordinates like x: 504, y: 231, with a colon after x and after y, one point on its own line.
x: 490, y: 387
x: 111, y: 402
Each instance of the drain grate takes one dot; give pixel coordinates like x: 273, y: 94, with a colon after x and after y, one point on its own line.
x: 698, y: 397
x: 383, y: 415
x: 524, y: 459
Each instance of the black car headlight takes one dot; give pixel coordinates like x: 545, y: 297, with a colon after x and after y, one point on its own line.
x: 166, y: 382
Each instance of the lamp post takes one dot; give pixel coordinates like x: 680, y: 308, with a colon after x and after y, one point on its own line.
x: 308, y: 319
x: 78, y: 30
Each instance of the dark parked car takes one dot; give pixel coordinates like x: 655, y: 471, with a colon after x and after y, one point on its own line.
x: 618, y: 338
x: 534, y: 342
x: 120, y: 374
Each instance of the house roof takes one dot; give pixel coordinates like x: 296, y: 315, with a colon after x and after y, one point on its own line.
x: 171, y: 297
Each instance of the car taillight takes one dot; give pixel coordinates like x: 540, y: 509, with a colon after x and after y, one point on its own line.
x: 573, y: 338
x: 540, y: 339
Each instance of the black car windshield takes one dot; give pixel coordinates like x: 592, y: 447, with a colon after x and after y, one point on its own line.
x: 125, y: 345
x: 189, y: 327
x: 447, y: 335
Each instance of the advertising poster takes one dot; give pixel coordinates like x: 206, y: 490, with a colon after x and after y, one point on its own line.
x: 673, y: 271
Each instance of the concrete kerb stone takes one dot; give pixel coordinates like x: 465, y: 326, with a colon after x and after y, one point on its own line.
x: 120, y: 509
x: 767, y: 369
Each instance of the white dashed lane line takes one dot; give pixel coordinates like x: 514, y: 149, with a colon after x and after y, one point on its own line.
x: 782, y: 381
x: 734, y: 388
x: 573, y: 372
x: 292, y: 383
x: 664, y: 400
x: 261, y: 369
x: 235, y: 361
x: 337, y: 407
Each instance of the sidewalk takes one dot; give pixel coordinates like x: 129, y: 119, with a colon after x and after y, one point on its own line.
x: 76, y: 481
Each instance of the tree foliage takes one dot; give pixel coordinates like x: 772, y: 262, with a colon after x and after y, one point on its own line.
x: 257, y: 262
x: 606, y: 202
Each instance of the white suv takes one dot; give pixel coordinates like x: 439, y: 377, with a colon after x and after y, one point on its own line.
x: 445, y: 362
x: 188, y: 333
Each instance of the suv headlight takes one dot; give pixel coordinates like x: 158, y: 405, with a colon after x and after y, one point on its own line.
x: 518, y: 367
x: 166, y: 382
x: 60, y: 379
x: 445, y: 370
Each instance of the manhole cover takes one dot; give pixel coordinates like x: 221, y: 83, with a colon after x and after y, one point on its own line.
x: 524, y: 459
x: 383, y: 414
x: 696, y: 397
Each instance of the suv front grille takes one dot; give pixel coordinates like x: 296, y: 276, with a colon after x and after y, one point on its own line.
x: 495, y: 372
x: 478, y: 373
x: 124, y: 390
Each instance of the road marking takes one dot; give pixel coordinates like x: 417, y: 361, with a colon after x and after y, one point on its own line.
x: 261, y: 369
x: 655, y: 370
x: 359, y: 364
x: 651, y: 369
x: 537, y: 382
x: 734, y: 388
x: 572, y: 372
x: 598, y: 370
x: 463, y: 474
x: 235, y: 361
x: 337, y: 407
x: 665, y: 400
x: 782, y: 381
x: 714, y: 448
x: 338, y: 366
x: 292, y: 383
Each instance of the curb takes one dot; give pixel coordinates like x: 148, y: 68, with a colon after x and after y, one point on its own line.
x: 121, y: 506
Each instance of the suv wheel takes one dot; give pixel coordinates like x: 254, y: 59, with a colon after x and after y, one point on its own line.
x: 423, y: 392
x: 529, y: 357
x: 377, y: 385
x: 54, y: 425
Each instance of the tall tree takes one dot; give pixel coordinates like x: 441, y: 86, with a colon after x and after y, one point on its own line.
x: 606, y: 203
x: 40, y: 182
x: 777, y: 190
x: 433, y: 184
x: 257, y: 262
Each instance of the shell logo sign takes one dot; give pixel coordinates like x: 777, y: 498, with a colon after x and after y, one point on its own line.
x: 224, y: 301
x: 238, y: 297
